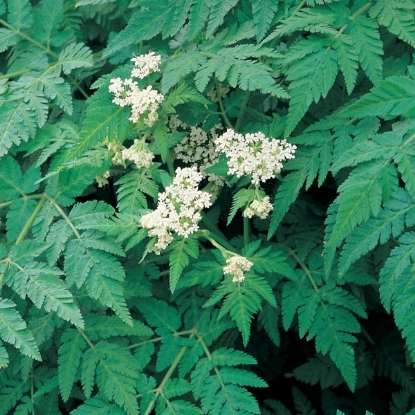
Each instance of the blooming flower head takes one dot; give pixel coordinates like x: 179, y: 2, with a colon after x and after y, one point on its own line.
x: 235, y: 266
x: 139, y: 154
x: 102, y: 180
x: 178, y: 209
x: 260, y: 208
x: 254, y: 155
x: 144, y: 103
x: 145, y: 64
x: 198, y: 149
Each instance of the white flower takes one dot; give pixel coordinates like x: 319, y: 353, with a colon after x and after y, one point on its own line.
x: 116, y: 149
x: 102, y: 180
x: 145, y: 64
x: 254, y: 155
x: 144, y: 103
x: 198, y: 149
x: 139, y: 154
x: 260, y: 208
x: 178, y: 209
x: 235, y: 266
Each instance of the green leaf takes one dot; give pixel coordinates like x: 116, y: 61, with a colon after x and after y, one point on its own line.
x: 76, y: 55
x: 13, y: 330
x: 20, y: 14
x: 347, y: 60
x: 7, y: 38
x: 143, y: 25
x: 103, y: 119
x: 17, y: 124
x: 179, y: 258
x: 311, y: 79
x: 48, y: 291
x: 263, y: 12
x: 199, y: 13
x: 71, y: 350
x: 397, y: 17
x: 218, y: 11
x: 369, y: 47
x: 391, y: 97
x: 390, y: 222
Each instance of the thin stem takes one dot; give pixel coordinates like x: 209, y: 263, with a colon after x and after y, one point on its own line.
x: 165, y: 379
x: 247, y: 231
x: 305, y: 269
x: 29, y: 39
x: 64, y: 216
x: 217, y: 241
x: 211, y: 226
x: 298, y: 8
x: 361, y: 10
x: 90, y: 344
x: 242, y: 111
x: 29, y: 223
x: 170, y: 166
x: 222, y: 108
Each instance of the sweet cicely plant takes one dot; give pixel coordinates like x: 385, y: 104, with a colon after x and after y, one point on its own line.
x: 207, y: 207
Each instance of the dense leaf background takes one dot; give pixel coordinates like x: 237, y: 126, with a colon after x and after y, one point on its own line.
x: 92, y: 322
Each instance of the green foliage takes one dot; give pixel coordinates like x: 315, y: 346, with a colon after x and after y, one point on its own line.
x: 97, y: 316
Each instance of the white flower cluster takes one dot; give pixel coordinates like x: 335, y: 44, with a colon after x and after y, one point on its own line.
x: 178, y: 209
x: 198, y: 149
x: 143, y: 102
x: 145, y: 64
x: 102, y: 180
x: 139, y: 154
x: 260, y: 208
x: 235, y: 266
x: 254, y: 155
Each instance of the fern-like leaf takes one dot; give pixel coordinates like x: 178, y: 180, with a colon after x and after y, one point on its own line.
x: 224, y: 391
x: 179, y: 258
x: 321, y: 370
x: 103, y: 119
x: 368, y: 45
x: 13, y: 330
x: 242, y: 301
x: 144, y: 24
x: 397, y: 286
x: 360, y: 198
x: 97, y: 406
x: 263, y: 12
x: 391, y: 97
x: 218, y: 11
x: 391, y: 221
x: 71, y: 350
x: 397, y: 17
x: 116, y: 374
x: 311, y: 79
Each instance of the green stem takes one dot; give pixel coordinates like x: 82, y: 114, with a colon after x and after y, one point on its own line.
x: 298, y: 8
x: 217, y: 241
x: 222, y: 108
x: 247, y: 231
x: 29, y: 223
x: 169, y: 162
x: 90, y: 344
x: 361, y: 10
x: 211, y: 226
x: 64, y: 216
x: 242, y: 111
x: 28, y: 38
x: 305, y: 269
x: 165, y: 379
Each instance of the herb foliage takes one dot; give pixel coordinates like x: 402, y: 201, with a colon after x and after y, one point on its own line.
x: 93, y: 322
